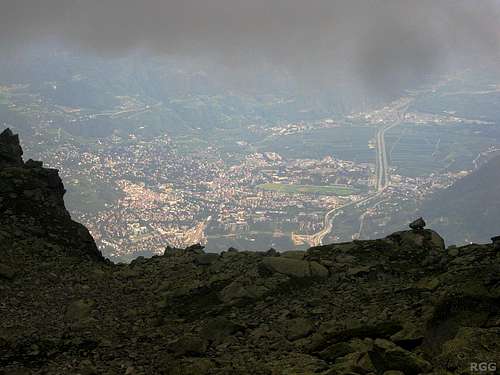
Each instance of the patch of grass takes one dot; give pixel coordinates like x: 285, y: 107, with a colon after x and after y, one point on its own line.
x: 90, y: 197
x: 340, y: 190
x: 4, y: 99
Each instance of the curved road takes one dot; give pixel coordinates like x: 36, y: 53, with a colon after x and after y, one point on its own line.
x: 382, y: 177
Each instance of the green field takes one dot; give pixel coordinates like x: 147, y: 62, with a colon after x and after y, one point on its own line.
x: 345, y: 142
x: 419, y: 150
x: 4, y: 99
x: 309, y: 189
x: 90, y: 197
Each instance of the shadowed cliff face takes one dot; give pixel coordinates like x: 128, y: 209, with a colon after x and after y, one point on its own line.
x: 31, y: 203
x: 10, y: 150
x: 403, y: 303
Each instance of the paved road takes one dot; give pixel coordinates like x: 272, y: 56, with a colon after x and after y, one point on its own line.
x: 383, y: 173
x: 383, y: 179
x: 317, y: 238
x: 196, y: 235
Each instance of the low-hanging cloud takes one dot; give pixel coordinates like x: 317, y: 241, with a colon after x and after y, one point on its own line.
x: 383, y: 44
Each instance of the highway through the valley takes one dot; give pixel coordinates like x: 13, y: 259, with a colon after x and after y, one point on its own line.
x: 383, y: 178
x: 383, y: 172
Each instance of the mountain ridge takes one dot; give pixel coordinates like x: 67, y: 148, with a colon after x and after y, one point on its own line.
x: 403, y: 304
x: 469, y: 206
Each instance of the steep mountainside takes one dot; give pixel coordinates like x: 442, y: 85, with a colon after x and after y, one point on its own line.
x: 400, y: 305
x: 469, y: 208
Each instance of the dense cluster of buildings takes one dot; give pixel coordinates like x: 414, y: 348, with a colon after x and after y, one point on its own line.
x: 163, y: 197
x: 138, y: 195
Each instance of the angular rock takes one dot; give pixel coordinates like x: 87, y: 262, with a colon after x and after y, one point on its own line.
x: 335, y: 351
x: 206, y: 259
x: 418, y: 224
x: 196, y: 249
x: 188, y: 345
x: 338, y: 331
x: 297, y: 328
x: 294, y: 268
x: 10, y: 150
x: 318, y: 270
x: 393, y: 357
x: 239, y: 292
x: 410, y: 337
x: 290, y: 267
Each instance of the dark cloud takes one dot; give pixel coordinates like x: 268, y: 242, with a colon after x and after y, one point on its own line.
x: 381, y: 43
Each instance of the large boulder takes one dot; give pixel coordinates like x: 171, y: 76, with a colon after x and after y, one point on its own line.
x: 418, y: 224
x: 294, y: 267
x: 470, y: 345
x: 297, y: 328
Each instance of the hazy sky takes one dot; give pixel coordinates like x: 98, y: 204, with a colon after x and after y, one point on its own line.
x: 381, y: 43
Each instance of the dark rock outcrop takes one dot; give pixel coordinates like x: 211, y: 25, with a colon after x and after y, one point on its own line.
x: 418, y: 224
x: 403, y: 304
x: 496, y: 242
x: 31, y: 203
x: 10, y: 150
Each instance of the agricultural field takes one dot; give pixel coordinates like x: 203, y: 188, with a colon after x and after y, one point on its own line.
x: 480, y: 105
x: 345, y: 142
x: 419, y: 150
x: 4, y: 99
x: 309, y: 189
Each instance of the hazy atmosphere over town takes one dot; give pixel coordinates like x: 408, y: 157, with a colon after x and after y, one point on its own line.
x: 283, y: 124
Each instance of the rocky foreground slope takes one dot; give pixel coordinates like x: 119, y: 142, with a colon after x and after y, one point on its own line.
x: 404, y: 304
